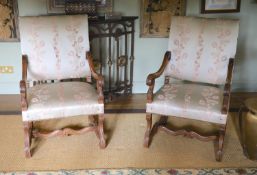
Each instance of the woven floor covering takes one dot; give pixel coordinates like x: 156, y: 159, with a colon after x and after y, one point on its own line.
x: 125, y: 133
x: 222, y: 171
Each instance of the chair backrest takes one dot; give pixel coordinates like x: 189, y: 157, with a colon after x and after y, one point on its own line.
x: 201, y: 48
x: 55, y: 46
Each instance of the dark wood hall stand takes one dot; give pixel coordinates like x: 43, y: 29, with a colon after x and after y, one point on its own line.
x: 112, y: 44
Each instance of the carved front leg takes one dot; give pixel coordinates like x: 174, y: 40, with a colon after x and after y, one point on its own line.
x: 148, y: 130
x: 27, y: 138
x: 220, y: 143
x: 101, y: 131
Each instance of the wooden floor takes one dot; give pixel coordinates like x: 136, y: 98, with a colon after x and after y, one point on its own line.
x: 10, y: 104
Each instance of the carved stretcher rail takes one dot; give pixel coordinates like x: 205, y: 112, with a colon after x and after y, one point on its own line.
x: 63, y: 132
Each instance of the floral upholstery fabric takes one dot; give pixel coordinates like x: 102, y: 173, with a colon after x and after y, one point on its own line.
x: 56, y: 46
x: 62, y: 99
x: 188, y: 100
x: 201, y: 48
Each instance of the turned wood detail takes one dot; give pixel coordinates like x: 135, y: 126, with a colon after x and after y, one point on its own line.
x: 63, y: 132
x: 151, y: 78
x: 188, y: 134
x: 102, y: 142
x: 220, y: 143
x: 27, y: 138
x: 23, y: 85
x: 99, y: 78
x: 227, y: 87
x: 148, y: 130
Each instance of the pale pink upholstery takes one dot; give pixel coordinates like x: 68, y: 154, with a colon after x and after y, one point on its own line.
x: 55, y: 46
x: 64, y: 99
x: 189, y: 100
x: 201, y: 48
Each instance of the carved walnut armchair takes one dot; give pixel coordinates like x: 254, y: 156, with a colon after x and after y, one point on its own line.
x: 57, y: 62
x: 198, y: 70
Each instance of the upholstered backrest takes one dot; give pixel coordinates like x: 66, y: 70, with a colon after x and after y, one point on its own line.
x: 201, y: 48
x: 55, y: 46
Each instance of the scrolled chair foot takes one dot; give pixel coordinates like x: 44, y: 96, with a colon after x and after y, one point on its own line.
x: 219, y: 154
x: 147, y: 140
x: 27, y: 153
x: 102, y: 143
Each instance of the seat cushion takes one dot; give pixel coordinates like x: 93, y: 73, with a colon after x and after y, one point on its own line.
x: 187, y: 100
x: 63, y: 99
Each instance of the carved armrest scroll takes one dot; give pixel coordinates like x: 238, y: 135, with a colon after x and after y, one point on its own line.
x: 151, y: 77
x: 99, y: 78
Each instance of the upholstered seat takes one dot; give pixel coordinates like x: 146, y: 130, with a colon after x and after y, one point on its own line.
x: 64, y: 99
x: 189, y: 100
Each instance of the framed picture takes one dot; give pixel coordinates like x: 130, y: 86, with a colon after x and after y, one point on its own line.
x: 55, y: 6
x: 9, y: 31
x: 220, y: 6
x: 58, y: 6
x: 104, y: 6
x: 156, y: 16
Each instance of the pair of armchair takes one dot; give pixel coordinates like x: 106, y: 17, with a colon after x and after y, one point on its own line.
x: 56, y: 49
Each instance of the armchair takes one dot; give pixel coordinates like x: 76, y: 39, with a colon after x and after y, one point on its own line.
x: 56, y: 76
x: 198, y: 71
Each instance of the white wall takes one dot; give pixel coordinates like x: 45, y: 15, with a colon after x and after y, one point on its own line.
x: 149, y: 51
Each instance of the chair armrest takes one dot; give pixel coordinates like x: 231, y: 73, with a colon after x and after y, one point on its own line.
x: 151, y: 77
x: 23, y: 87
x: 99, y: 78
x: 227, y: 88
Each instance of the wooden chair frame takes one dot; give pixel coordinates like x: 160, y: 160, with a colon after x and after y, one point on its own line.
x: 96, y: 122
x: 161, y: 124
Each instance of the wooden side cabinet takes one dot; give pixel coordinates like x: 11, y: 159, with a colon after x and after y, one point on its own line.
x: 112, y: 44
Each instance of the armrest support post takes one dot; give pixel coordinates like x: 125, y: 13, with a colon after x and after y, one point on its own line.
x: 151, y: 77
x: 227, y: 87
x: 23, y: 87
x: 99, y: 78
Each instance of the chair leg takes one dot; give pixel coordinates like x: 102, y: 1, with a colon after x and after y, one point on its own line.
x: 102, y: 142
x: 148, y: 130
x: 220, y: 140
x: 93, y: 120
x: 27, y: 138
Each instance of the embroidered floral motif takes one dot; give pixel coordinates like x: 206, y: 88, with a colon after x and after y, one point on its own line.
x: 200, y: 50
x: 223, y: 38
x: 55, y: 46
x: 168, y: 92
x: 77, y: 47
x: 210, y: 97
x: 179, y: 56
x: 38, y: 49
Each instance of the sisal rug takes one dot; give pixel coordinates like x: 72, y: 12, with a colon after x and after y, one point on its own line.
x: 125, y: 134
